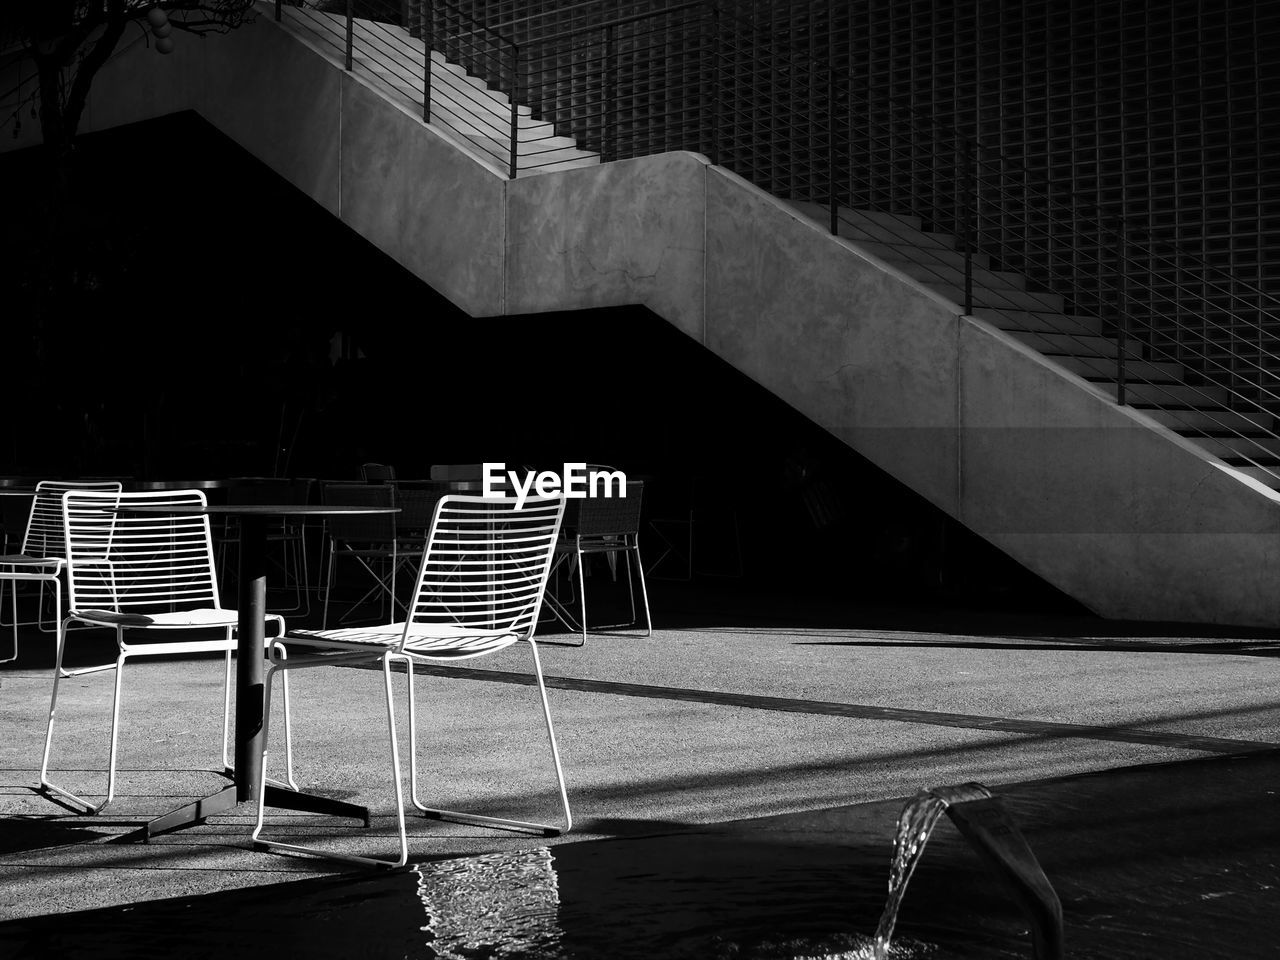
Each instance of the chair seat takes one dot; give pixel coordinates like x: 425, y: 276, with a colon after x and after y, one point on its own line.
x: 432, y: 640
x: 23, y: 560
x: 202, y: 617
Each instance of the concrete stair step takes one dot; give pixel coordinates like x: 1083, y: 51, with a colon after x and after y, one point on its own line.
x: 1040, y: 321
x: 1105, y: 368
x: 932, y: 273
x: 1256, y: 446
x: 910, y: 253
x: 1074, y: 345
x: 1169, y: 394
x: 462, y: 103
x: 1269, y: 475
x: 444, y: 110
x: 1002, y: 299
x: 389, y: 49
x: 1209, y: 419
x: 467, y: 103
x: 548, y: 160
x: 821, y: 210
x: 870, y: 225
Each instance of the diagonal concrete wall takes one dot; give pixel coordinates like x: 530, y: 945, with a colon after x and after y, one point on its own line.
x: 1112, y: 508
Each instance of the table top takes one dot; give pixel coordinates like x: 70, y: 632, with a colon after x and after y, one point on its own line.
x: 247, y: 509
x: 182, y: 484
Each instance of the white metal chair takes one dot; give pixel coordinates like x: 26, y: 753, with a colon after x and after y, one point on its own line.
x: 149, y: 572
x: 42, y: 555
x: 602, y: 525
x: 482, y: 577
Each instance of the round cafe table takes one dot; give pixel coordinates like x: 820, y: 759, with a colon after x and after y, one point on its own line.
x: 251, y: 605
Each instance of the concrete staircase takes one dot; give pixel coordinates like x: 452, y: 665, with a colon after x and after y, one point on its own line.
x: 1166, y: 391
x: 1005, y: 420
x: 478, y: 116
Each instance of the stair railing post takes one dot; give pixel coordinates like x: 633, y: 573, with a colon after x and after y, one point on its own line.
x: 1122, y: 310
x: 513, y: 166
x: 351, y: 31
x: 428, y: 27
x: 966, y: 219
x: 608, y: 146
x: 832, y: 160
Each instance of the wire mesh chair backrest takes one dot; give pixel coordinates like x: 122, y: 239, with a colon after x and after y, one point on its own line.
x: 45, y: 536
x: 361, y: 528
x: 138, y: 562
x: 486, y: 565
x: 377, y: 471
x: 612, y: 516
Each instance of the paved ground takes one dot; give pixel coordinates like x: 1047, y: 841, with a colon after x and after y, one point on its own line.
x: 741, y: 706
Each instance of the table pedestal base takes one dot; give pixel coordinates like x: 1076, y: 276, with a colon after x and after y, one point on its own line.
x: 225, y: 799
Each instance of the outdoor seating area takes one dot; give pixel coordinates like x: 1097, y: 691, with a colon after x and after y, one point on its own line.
x: 444, y: 574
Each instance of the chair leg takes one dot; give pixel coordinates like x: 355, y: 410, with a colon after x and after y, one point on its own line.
x: 644, y: 591
x: 582, y: 595
x: 256, y: 836
x: 53, y: 708
x: 13, y: 589
x: 460, y: 817
x: 288, y: 725
x: 631, y: 590
x: 328, y: 589
x: 58, y: 673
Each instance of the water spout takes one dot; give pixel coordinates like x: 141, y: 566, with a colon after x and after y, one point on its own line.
x: 983, y: 821
x: 915, y: 824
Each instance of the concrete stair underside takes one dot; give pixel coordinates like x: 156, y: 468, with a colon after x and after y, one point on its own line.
x: 1161, y: 388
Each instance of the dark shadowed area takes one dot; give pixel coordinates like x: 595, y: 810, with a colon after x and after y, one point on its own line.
x: 210, y: 320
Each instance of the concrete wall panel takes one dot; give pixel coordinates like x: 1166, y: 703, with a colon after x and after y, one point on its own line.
x: 425, y: 203
x: 140, y: 84
x: 619, y: 233
x: 1133, y: 522
x: 861, y: 352
x: 281, y: 102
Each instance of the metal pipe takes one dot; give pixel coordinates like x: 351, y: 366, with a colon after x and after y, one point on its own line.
x: 351, y: 29
x: 609, y: 106
x: 428, y: 27
x: 513, y: 166
x: 965, y: 175
x: 1122, y: 316
x: 832, y: 161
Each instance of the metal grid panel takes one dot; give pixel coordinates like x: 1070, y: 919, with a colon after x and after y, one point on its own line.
x: 1152, y: 119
